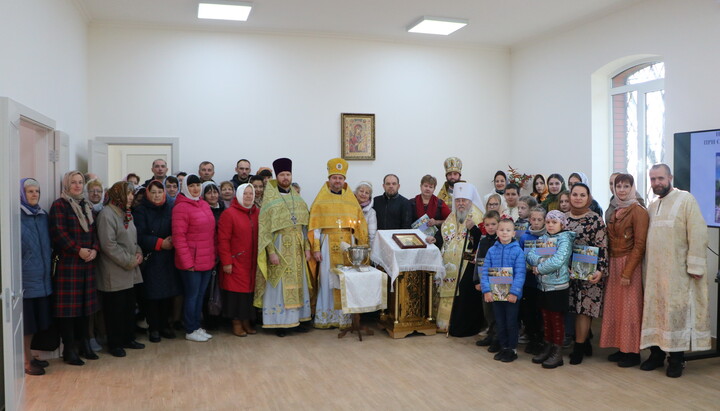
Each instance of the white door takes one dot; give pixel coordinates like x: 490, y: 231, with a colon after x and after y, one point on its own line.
x: 113, y: 158
x: 98, y: 160
x: 16, y: 122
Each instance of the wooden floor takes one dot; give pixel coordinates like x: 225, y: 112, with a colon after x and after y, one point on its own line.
x: 318, y: 371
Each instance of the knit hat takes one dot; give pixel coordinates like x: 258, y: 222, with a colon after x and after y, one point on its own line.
x: 453, y: 164
x: 557, y: 215
x: 282, y: 164
x: 337, y: 166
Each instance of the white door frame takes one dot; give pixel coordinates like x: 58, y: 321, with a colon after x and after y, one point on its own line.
x: 10, y: 253
x: 98, y: 148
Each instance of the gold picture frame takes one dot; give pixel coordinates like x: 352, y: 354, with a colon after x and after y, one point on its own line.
x: 357, y: 136
x: 408, y: 240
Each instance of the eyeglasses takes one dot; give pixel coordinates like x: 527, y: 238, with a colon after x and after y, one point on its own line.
x: 94, y: 191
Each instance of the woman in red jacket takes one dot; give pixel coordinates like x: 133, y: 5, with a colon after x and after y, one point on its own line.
x: 238, y: 246
x: 193, y: 232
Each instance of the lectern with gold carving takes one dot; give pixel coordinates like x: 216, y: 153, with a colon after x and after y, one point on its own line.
x: 410, y: 291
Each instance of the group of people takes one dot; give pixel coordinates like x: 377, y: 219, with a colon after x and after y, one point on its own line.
x: 251, y: 250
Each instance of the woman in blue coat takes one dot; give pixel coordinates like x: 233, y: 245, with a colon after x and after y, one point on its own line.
x: 36, y: 268
x: 153, y: 220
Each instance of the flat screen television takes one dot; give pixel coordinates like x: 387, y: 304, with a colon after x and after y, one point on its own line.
x: 697, y: 169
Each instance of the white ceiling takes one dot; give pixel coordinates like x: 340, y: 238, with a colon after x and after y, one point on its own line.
x: 492, y: 22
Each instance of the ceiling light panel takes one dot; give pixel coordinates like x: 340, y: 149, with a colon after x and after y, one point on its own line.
x: 437, y: 25
x: 224, y: 10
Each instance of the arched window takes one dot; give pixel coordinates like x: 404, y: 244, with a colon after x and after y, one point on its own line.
x: 638, y: 120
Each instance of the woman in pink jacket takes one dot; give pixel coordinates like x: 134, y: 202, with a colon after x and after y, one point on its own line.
x: 193, y: 231
x: 238, y: 247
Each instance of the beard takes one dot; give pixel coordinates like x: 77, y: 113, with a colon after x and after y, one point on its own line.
x: 462, y: 215
x: 662, y: 191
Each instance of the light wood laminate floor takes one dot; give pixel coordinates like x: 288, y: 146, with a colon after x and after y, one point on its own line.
x: 319, y: 371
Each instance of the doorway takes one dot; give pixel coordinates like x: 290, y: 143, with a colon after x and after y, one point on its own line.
x: 112, y: 158
x: 29, y: 147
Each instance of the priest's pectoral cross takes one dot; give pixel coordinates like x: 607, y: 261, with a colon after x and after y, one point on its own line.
x: 293, y: 219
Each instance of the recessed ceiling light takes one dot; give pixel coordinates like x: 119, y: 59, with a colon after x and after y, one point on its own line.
x: 224, y: 10
x: 437, y: 25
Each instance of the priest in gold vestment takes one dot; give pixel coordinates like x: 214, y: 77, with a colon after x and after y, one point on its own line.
x: 675, y: 315
x: 335, y: 218
x: 456, y: 249
x: 453, y: 173
x: 281, y: 289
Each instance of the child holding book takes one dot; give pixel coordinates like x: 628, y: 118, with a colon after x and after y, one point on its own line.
x: 553, y: 278
x: 529, y: 308
x: 505, y: 254
x: 522, y: 223
x: 490, y: 224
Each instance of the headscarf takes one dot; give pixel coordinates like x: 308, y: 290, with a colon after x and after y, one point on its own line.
x: 369, y: 185
x: 499, y: 173
x: 241, y: 191
x: 553, y: 198
x: 190, y: 179
x: 582, y: 176
x: 159, y: 185
x: 632, y: 198
x: 540, y: 196
x: 557, y: 215
x: 118, y: 196
x: 97, y: 207
x: 80, y: 207
x: 24, y: 205
x: 579, y: 211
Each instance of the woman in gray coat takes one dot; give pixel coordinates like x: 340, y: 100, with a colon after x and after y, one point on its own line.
x: 118, y: 268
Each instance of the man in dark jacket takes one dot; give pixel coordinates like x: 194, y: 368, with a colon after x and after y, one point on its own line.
x: 242, y: 168
x: 393, y: 210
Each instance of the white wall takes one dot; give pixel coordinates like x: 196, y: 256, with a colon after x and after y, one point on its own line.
x: 551, y: 100
x: 229, y: 96
x: 551, y: 79
x: 43, y: 45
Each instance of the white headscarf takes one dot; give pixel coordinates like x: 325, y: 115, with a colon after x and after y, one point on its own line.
x: 239, y: 194
x: 469, y: 192
x: 185, y: 190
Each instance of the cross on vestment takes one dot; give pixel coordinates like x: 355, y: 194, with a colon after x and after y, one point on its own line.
x: 287, y: 242
x: 294, y: 219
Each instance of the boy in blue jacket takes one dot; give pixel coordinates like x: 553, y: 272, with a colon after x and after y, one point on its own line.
x: 505, y: 253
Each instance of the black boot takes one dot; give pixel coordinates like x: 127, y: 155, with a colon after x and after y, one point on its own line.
x: 578, y: 352
x: 676, y: 363
x: 555, y: 359
x: 588, y: 347
x: 630, y: 360
x: 617, y: 356
x: 71, y: 357
x: 656, y: 359
x: 544, y: 354
x: 86, y: 351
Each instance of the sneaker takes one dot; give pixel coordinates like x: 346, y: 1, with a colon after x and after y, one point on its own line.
x: 204, y: 333
x: 499, y: 356
x: 196, y: 336
x: 510, y: 356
